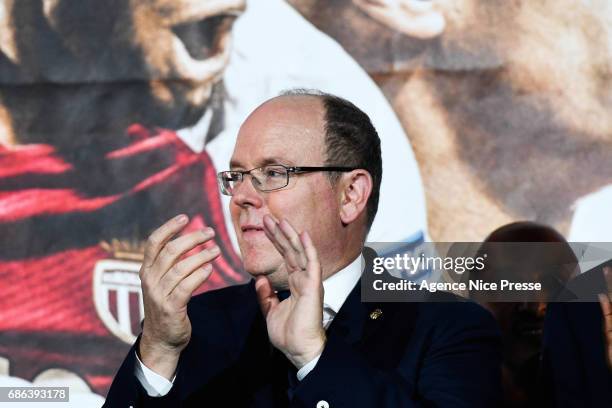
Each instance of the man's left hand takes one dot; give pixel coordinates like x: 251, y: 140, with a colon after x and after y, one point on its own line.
x: 295, y: 325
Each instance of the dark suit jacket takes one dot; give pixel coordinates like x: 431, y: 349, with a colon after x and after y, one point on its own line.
x: 412, y: 355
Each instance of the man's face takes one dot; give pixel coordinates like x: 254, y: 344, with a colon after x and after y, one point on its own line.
x: 286, y: 130
x: 521, y: 325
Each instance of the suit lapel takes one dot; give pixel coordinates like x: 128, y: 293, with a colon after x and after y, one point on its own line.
x: 349, y: 322
x: 358, y: 321
x: 361, y: 324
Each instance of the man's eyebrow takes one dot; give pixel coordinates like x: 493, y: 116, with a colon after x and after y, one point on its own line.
x: 275, y: 160
x: 264, y: 162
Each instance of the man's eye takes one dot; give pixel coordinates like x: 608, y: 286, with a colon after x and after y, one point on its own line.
x: 274, y: 173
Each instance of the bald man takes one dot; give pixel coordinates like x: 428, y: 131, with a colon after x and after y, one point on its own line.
x: 304, y: 182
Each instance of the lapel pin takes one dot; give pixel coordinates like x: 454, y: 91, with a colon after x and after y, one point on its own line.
x: 375, y: 314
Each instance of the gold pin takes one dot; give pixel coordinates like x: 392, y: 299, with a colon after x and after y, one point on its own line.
x: 376, y: 313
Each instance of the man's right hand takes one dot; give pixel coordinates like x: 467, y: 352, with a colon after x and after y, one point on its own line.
x: 605, y: 301
x: 167, y: 285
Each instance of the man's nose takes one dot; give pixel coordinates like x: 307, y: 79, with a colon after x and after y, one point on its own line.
x: 245, y: 194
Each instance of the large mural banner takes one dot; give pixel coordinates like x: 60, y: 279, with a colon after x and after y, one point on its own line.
x: 506, y: 104
x: 116, y: 115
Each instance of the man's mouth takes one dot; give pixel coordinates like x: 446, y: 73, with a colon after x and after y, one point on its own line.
x: 528, y: 327
x: 251, y: 228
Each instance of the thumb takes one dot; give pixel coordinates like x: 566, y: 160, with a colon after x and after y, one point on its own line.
x: 605, y: 302
x: 606, y: 309
x: 265, y: 294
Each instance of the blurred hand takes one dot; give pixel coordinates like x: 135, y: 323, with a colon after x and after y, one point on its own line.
x: 167, y: 286
x: 295, y: 325
x: 606, y: 309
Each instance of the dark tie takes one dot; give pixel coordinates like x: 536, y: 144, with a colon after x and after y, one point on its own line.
x: 283, y: 294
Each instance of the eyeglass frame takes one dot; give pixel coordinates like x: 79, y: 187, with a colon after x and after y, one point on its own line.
x: 290, y: 170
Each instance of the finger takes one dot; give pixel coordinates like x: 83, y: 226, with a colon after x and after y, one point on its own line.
x: 604, y: 301
x: 296, y: 243
x: 606, y: 310
x: 265, y: 295
x: 184, y: 290
x: 184, y: 268
x: 314, y: 267
x: 279, y: 248
x: 273, y: 228
x: 607, y: 272
x: 161, y: 236
x: 277, y: 237
x: 176, y: 248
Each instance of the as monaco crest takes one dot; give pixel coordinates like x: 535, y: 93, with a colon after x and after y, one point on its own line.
x: 117, y: 292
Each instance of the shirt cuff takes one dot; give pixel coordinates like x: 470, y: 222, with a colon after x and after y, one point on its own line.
x: 307, y: 368
x: 154, y: 384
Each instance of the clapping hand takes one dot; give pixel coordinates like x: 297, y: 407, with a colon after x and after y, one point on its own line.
x: 294, y: 325
x: 168, y: 282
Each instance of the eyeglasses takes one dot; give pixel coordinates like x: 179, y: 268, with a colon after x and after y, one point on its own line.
x: 267, y: 178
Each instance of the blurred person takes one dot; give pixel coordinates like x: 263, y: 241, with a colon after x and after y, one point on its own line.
x: 517, y: 252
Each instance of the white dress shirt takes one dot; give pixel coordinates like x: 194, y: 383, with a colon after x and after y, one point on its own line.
x: 336, y: 289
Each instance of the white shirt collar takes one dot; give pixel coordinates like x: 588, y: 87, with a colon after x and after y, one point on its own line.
x: 338, y: 286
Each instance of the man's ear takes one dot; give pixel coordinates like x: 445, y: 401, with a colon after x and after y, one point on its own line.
x: 415, y: 18
x: 356, y: 188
